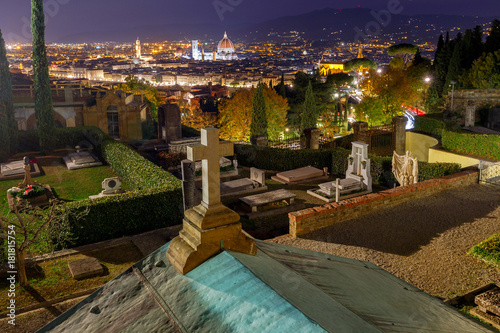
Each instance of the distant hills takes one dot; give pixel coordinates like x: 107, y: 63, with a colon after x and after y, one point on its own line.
x: 328, y: 24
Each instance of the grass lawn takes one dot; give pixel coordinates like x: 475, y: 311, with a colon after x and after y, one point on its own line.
x: 52, y: 279
x: 488, y: 250
x: 67, y: 185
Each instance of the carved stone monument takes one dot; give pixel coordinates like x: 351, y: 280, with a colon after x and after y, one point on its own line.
x: 110, y: 186
x: 210, y: 227
x: 405, y: 168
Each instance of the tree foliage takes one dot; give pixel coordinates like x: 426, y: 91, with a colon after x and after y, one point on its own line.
x: 235, y: 114
x: 44, y: 110
x: 485, y: 72
x: 258, y: 124
x: 309, y: 115
x: 403, y: 50
x: 135, y: 86
x: 493, y: 39
x: 359, y: 65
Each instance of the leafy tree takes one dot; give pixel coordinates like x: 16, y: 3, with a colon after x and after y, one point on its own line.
x: 454, y: 68
x: 199, y: 119
x: 235, y: 114
x: 32, y: 226
x: 282, y: 88
x: 493, y: 39
x: 359, y: 65
x: 405, y: 51
x: 309, y: 112
x: 135, y: 86
x: 44, y: 110
x: 485, y: 72
x: 339, y: 79
x: 397, y: 63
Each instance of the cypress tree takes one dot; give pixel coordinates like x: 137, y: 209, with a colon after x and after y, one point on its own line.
x: 477, y: 47
x: 282, y: 91
x: 309, y: 116
x: 258, y: 126
x: 493, y: 39
x: 44, y: 110
x: 454, y: 69
x: 6, y: 106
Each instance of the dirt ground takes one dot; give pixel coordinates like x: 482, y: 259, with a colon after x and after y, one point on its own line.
x: 423, y: 242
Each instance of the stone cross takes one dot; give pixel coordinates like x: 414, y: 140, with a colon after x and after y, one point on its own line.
x: 209, y: 152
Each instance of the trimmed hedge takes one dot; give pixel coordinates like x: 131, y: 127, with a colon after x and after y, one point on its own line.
x: 277, y: 159
x: 482, y: 145
x: 134, y: 169
x: 430, y: 125
x: 126, y: 214
x: 189, y: 132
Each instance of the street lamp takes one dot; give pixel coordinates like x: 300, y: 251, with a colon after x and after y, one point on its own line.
x: 453, y: 82
x: 427, y: 79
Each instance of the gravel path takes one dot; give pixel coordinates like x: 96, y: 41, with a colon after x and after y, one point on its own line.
x: 423, y: 242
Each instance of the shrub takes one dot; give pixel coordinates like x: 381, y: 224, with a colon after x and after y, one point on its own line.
x: 488, y: 250
x: 430, y: 124
x: 126, y: 214
x: 482, y: 145
x: 136, y: 170
x: 170, y: 160
x: 436, y: 170
x: 277, y: 159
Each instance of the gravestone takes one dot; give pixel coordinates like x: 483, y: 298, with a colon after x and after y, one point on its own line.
x: 358, y: 167
x: 210, y: 226
x: 110, y: 186
x: 300, y: 175
x: 85, y: 268
x: 80, y: 160
x: 188, y: 183
x: 256, y: 182
x: 169, y: 122
x: 15, y: 170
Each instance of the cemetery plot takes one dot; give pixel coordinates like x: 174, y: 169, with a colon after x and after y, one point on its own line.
x: 15, y: 170
x: 302, y: 175
x: 256, y: 182
x: 80, y: 160
x: 270, y: 203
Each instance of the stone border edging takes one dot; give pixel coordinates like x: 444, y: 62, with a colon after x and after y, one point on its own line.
x: 308, y: 220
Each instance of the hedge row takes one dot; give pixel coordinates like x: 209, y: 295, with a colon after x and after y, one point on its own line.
x: 429, y: 125
x: 336, y: 158
x: 126, y: 214
x: 67, y: 137
x: 482, y: 145
x: 135, y: 170
x: 156, y: 202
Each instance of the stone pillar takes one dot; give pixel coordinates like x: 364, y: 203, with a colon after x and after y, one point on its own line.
x: 311, y: 136
x: 360, y: 129
x: 188, y: 184
x: 399, y: 134
x: 470, y: 116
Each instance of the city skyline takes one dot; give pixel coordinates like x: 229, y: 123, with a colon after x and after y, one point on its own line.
x: 67, y: 18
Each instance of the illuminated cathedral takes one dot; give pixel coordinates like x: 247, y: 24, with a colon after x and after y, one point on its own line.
x: 225, y: 50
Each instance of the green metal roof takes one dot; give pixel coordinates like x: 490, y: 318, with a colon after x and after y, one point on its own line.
x: 281, y: 289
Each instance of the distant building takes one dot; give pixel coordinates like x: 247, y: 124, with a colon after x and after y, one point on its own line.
x: 138, y: 48
x: 226, y: 50
x: 195, y: 53
x: 333, y: 67
x: 118, y: 114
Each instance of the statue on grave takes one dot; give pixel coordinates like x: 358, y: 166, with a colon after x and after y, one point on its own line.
x: 405, y: 168
x: 27, y: 174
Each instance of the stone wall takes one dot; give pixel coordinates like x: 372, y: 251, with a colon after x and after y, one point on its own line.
x: 308, y: 220
x: 476, y: 99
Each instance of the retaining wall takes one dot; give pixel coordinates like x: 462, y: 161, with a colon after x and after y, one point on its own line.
x: 308, y: 220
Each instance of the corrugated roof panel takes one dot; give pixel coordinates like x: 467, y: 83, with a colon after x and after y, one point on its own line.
x: 372, y: 293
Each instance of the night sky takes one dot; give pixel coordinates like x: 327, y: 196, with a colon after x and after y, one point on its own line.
x: 69, y: 17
